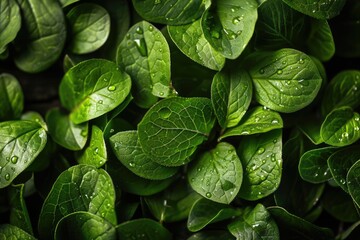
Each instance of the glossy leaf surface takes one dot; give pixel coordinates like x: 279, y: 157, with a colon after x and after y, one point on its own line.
x: 142, y: 228
x: 10, y: 22
x: 11, y: 97
x: 10, y: 232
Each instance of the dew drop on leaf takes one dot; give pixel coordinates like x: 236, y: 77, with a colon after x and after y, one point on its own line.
x: 151, y: 28
x: 141, y: 46
x: 275, y: 121
x: 279, y: 71
x: 132, y: 164
x: 208, y: 195
x: 139, y: 30
x: 100, y: 101
x: 111, y: 88
x: 262, y: 71
x: 157, y: 2
x: 260, y: 150
x: 7, y: 177
x: 345, y: 135
x: 165, y: 113
x: 96, y: 151
x: 301, y: 61
x: 14, y: 159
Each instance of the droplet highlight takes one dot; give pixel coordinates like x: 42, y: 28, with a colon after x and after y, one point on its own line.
x: 14, y: 159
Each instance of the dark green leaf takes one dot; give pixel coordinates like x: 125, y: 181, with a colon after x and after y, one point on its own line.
x: 310, y: 126
x: 255, y: 223
x: 10, y: 19
x: 84, y: 225
x: 116, y: 125
x: 286, y: 80
x: 353, y: 182
x: 89, y: 27
x: 142, y: 228
x: 341, y: 127
x: 261, y: 157
x: 64, y: 132
x: 11, y: 97
x: 93, y: 88
x: 10, y: 232
x: 217, y: 174
x: 172, y: 129
x: 171, y: 12
x: 43, y: 35
x: 212, y: 235
x: 351, y: 233
x: 79, y: 188
x: 20, y: 142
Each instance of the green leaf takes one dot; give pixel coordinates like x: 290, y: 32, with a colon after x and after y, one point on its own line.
x: 10, y: 232
x: 351, y: 233
x: 42, y: 35
x: 145, y: 56
x: 93, y: 88
x: 191, y: 41
x: 321, y: 9
x: 212, y: 235
x: 297, y: 226
x: 256, y: 120
x: 341, y: 127
x: 229, y: 32
x: 321, y: 42
x: 79, y: 188
x: 170, y: 12
x: 255, y: 223
x: 353, y: 182
x: 286, y: 80
x: 64, y: 132
x: 36, y: 117
x: 89, y: 27
x: 20, y: 142
x: 142, y: 228
x: 10, y: 19
x: 127, y: 149
x: 95, y: 153
x: 205, y: 212
x: 313, y: 165
x: 261, y: 157
x: 11, y: 97
x: 84, y: 225
x: 340, y: 163
x: 310, y: 127
x: 231, y: 93
x: 172, y: 129
x: 65, y: 3
x: 19, y: 215
x: 343, y: 90
x: 217, y: 174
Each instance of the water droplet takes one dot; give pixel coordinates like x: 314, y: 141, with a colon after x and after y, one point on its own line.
x: 151, y: 28
x: 112, y: 130
x: 139, y: 30
x: 245, y: 133
x: 275, y: 121
x: 274, y: 141
x: 279, y: 71
x: 192, y: 179
x: 100, y: 101
x: 257, y: 119
x: 7, y: 159
x: 96, y: 151
x: 284, y: 62
x: 83, y: 133
x: 261, y: 150
x: 232, y: 9
x: 301, y: 61
x: 261, y: 71
x: 111, y: 88
x: 273, y: 159
x: 132, y: 164
x: 128, y: 36
x: 230, y: 151
x: 208, y: 195
x: 14, y: 159
x: 262, y: 177
x: 345, y: 135
x: 161, y: 93
x: 356, y: 128
x: 141, y: 46
x: 355, y: 88
x: 165, y: 112
x: 199, y: 169
x: 357, y: 119
x: 215, y: 34
x: 101, y: 162
x: 7, y: 177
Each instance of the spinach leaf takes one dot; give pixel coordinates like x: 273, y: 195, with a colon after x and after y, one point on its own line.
x: 89, y: 27
x: 217, y: 174
x: 170, y: 131
x: 212, y: 235
x: 44, y: 34
x: 10, y: 22
x: 225, y: 30
x: 256, y: 120
x: 20, y: 142
x: 145, y: 56
x: 93, y: 88
x: 64, y: 132
x: 127, y: 149
x: 191, y: 41
x: 353, y: 182
x: 286, y: 80
x: 341, y: 127
x: 171, y: 12
x: 12, y: 232
x: 36, y: 117
x: 261, y: 157
x: 11, y: 97
x: 255, y: 223
x: 231, y: 93
x: 79, y: 188
x: 310, y: 127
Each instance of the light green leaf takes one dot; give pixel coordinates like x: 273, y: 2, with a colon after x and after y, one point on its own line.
x: 36, y: 117
x: 217, y: 174
x: 256, y: 120
x: 11, y: 97
x: 64, y: 132
x: 353, y: 182
x: 261, y: 157
x: 20, y: 142
x: 89, y: 27
x: 172, y: 129
x: 170, y: 12
x: 42, y: 36
x: 10, y: 19
x: 95, y: 153
x: 127, y: 149
x: 145, y: 56
x: 10, y: 232
x: 286, y: 80
x: 65, y: 3
x: 84, y: 225
x: 191, y: 41
x: 231, y: 94
x: 229, y: 32
x: 79, y: 188
x: 341, y: 127
x: 93, y: 88
x: 255, y: 223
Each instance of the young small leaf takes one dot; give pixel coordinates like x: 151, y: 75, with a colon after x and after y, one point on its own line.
x: 10, y: 19
x: 217, y: 174
x: 353, y: 182
x: 11, y: 97
x: 172, y: 129
x: 8, y: 231
x: 93, y: 88
x: 261, y: 157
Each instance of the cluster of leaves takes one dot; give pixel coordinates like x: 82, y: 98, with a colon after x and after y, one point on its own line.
x: 191, y: 119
